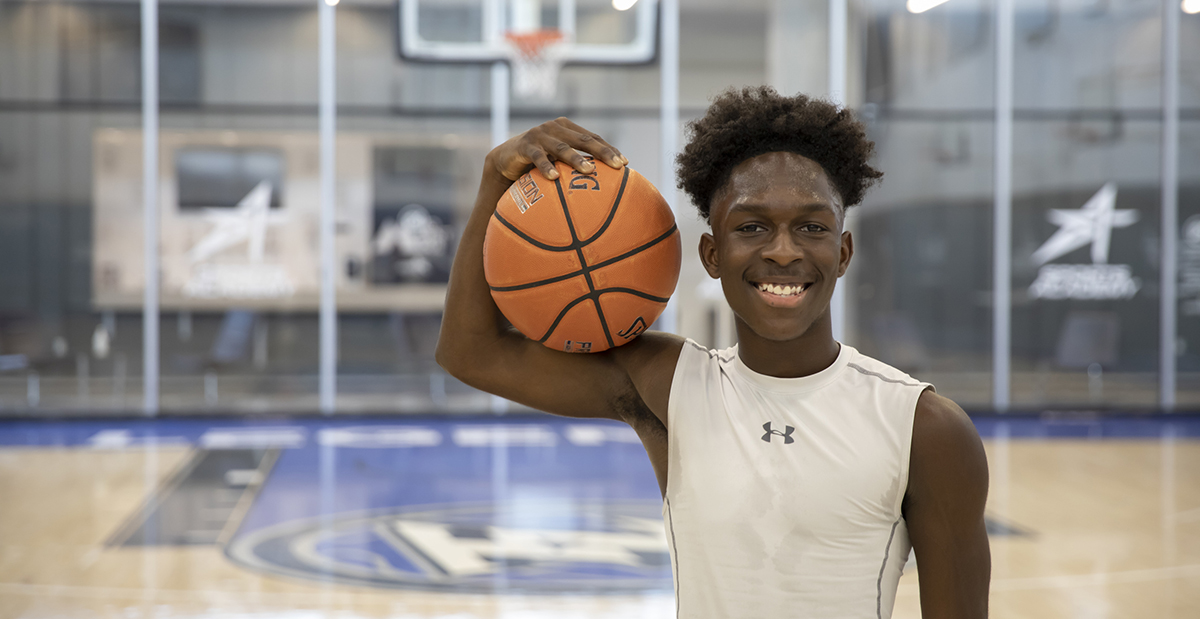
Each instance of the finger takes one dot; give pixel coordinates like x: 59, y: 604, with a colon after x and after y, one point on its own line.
x: 563, y: 151
x: 593, y: 144
x: 538, y: 157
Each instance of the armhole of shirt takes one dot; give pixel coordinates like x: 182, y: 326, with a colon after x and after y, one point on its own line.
x: 906, y: 454
x: 684, y: 373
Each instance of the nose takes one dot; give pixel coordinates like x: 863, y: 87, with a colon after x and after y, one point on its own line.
x: 782, y: 249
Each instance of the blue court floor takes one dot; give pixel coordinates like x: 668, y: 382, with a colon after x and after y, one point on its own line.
x: 433, y: 516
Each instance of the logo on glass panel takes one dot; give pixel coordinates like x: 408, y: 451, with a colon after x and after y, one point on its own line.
x: 245, y: 223
x: 1189, y: 267
x: 1092, y: 224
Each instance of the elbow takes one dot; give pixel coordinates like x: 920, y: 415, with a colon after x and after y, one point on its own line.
x: 456, y: 361
x: 472, y: 359
x: 447, y: 359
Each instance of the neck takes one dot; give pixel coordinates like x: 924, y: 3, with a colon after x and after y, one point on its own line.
x: 808, y: 354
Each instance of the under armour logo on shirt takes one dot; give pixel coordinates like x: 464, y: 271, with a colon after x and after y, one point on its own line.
x: 786, y: 434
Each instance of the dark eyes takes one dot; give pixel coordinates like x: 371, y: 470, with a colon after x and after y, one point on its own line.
x: 751, y: 228
x: 755, y: 228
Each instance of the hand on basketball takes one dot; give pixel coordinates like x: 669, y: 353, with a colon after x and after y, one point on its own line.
x: 555, y: 140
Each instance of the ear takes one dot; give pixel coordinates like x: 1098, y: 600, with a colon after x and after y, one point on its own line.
x: 708, y: 255
x: 847, y: 252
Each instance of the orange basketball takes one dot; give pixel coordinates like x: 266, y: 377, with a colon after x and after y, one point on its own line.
x: 585, y: 262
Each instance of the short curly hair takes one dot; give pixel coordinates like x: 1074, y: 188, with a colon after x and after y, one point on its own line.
x: 742, y: 124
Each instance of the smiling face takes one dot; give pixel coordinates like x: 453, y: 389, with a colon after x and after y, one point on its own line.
x: 777, y: 246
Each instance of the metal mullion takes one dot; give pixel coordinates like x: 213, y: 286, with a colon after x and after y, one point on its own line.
x: 1002, y: 210
x: 150, y: 232
x: 838, y: 41
x: 327, y: 121
x: 669, y: 125
x: 1170, y: 204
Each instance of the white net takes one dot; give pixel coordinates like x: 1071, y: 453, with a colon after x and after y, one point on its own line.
x: 536, y: 58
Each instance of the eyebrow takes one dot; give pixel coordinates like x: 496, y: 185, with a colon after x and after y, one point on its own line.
x: 754, y: 207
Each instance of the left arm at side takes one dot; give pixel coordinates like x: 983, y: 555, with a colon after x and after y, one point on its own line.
x: 943, y: 508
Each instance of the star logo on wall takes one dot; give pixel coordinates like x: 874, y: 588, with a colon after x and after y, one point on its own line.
x: 1093, y: 223
x: 248, y: 222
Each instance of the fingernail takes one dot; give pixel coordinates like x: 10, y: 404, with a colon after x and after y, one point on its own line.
x: 552, y: 174
x: 624, y: 160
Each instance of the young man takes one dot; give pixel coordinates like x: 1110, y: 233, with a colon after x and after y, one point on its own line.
x: 795, y: 471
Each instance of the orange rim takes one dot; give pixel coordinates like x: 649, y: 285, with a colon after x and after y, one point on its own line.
x: 531, y: 44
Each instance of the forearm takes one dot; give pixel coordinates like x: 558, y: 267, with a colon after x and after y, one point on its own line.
x: 471, y: 318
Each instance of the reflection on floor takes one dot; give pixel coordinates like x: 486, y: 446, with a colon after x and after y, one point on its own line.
x: 519, y: 516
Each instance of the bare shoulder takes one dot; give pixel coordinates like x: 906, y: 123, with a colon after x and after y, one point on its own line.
x: 650, y: 351
x: 938, y: 418
x: 650, y: 361
x: 947, y: 454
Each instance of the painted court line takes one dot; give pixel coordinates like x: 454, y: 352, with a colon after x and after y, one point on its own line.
x: 1075, y: 581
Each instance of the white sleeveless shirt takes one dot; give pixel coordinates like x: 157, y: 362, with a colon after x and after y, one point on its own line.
x: 783, y: 494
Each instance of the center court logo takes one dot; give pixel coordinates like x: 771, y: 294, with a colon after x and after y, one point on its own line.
x: 530, y: 548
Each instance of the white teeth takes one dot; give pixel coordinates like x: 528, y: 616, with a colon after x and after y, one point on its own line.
x: 783, y: 291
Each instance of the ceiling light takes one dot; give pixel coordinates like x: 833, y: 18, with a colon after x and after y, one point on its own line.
x: 623, y: 5
x: 920, y: 6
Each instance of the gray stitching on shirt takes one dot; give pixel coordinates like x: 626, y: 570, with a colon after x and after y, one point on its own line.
x: 671, y: 524
x: 879, y: 583
x: 885, y: 379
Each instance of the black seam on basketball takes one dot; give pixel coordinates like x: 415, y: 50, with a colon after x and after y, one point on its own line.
x: 541, y: 282
x: 595, y: 296
x: 589, y: 269
x: 612, y: 212
x: 636, y: 293
x: 562, y: 314
x: 562, y: 198
x: 603, y: 322
x: 587, y: 276
x: 531, y: 240
x: 587, y: 273
x: 634, y: 251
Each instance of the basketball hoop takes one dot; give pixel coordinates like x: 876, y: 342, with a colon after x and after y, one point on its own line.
x: 536, y: 57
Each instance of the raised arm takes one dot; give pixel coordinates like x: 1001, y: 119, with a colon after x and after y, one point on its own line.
x: 478, y: 347
x: 947, y: 490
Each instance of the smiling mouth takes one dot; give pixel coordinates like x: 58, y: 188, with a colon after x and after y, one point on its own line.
x: 782, y: 290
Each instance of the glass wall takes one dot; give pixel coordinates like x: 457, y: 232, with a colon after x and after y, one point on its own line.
x: 237, y: 221
x: 1188, y: 343
x: 1188, y: 308
x: 239, y: 195
x: 1086, y: 203
x: 68, y: 73
x: 921, y: 281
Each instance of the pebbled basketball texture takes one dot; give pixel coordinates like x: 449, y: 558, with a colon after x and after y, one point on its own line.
x: 585, y: 262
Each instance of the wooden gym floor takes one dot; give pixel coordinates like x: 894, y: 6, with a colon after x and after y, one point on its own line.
x: 370, y: 518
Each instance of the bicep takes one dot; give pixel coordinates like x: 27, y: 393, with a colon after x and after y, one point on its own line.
x: 944, y: 508
x: 576, y: 384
